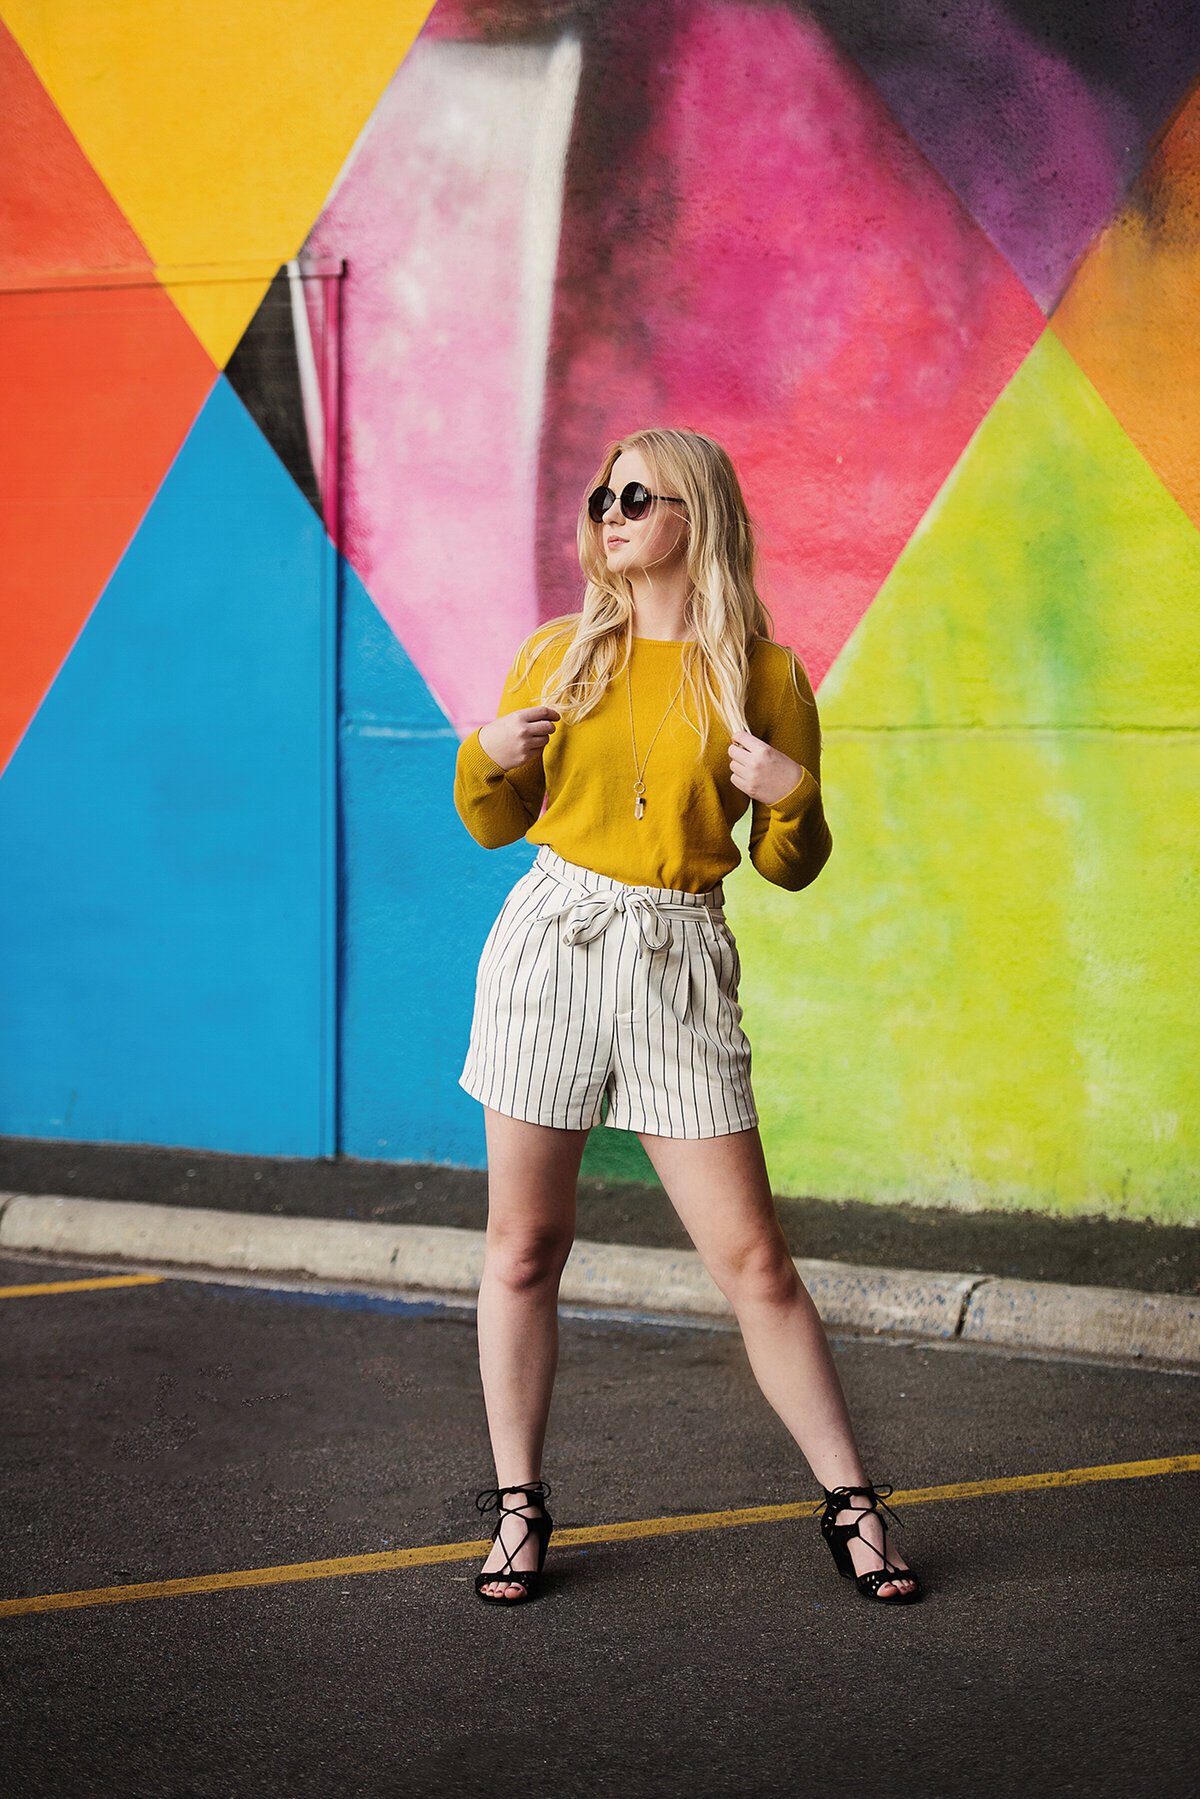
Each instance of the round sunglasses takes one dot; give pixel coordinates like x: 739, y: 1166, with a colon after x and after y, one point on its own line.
x: 635, y: 501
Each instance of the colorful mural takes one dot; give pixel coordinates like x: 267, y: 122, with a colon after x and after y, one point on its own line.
x: 313, y: 324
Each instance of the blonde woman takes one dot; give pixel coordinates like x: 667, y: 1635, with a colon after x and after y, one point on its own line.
x: 607, y: 988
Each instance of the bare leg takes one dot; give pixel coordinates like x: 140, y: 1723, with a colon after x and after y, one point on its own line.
x: 720, y: 1189
x: 532, y: 1176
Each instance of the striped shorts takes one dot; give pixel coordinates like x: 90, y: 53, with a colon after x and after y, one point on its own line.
x: 593, y: 993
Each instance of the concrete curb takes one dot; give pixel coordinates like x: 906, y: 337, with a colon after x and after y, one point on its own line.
x: 968, y: 1308
x: 1104, y: 1321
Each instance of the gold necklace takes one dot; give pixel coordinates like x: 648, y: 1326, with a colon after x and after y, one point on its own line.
x: 639, y: 785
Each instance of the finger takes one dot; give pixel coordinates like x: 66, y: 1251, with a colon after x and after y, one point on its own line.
x: 541, y: 712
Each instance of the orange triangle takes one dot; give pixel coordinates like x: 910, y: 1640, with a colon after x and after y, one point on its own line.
x: 101, y: 383
x: 1129, y: 317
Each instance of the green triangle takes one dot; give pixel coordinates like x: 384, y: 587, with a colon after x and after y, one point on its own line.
x: 986, y: 999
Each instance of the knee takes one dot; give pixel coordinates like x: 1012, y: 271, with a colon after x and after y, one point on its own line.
x: 758, y: 1273
x: 524, y: 1260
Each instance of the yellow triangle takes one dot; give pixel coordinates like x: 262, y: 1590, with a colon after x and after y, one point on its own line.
x: 218, y: 128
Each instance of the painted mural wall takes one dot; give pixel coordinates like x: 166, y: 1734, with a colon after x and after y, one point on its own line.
x: 315, y: 321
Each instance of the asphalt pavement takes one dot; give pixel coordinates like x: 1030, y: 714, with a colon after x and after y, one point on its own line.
x: 181, y: 1428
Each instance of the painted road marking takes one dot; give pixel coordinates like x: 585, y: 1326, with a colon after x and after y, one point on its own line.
x: 564, y: 1539
x: 112, y: 1280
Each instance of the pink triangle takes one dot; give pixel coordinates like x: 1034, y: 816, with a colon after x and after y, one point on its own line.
x: 769, y: 259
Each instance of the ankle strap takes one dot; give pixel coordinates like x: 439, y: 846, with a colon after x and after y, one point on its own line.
x: 492, y: 1498
x: 837, y: 1499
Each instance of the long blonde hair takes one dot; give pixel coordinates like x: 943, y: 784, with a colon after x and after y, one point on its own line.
x: 724, y: 610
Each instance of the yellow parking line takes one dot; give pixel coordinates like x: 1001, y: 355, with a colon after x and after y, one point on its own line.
x: 564, y: 1539
x: 112, y: 1280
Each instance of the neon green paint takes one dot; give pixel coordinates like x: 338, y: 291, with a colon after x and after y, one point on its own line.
x: 987, y: 999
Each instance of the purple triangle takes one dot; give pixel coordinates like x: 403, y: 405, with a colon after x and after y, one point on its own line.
x: 1038, y: 113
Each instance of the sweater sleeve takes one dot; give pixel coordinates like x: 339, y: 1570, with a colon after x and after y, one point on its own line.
x: 498, y: 805
x: 790, y: 842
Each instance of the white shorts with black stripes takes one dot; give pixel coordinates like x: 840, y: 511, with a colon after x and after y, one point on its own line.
x: 594, y: 996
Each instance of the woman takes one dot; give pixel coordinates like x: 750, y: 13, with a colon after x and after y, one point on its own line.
x: 646, y: 723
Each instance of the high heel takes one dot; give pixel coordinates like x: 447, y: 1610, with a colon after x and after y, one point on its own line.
x: 838, y: 1537
x: 492, y: 1500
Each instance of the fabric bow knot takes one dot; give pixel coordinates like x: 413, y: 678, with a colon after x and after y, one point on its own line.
x: 589, y: 916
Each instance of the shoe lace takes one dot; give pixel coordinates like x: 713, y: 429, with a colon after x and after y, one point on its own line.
x: 492, y: 1500
x: 838, y: 1500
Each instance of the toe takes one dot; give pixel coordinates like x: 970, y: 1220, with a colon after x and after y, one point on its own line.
x: 502, y: 1589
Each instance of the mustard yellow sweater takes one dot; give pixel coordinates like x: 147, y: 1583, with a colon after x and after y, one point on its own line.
x: 586, y: 774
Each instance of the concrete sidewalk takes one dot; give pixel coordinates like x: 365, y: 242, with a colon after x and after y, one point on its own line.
x: 1070, y: 1248
x: 1161, y: 1328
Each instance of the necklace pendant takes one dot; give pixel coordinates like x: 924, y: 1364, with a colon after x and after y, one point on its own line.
x: 639, y: 806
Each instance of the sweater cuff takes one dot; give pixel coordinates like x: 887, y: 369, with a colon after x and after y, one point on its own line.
x: 795, y: 804
x: 474, y: 763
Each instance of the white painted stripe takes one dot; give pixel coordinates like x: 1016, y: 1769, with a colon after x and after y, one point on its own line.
x: 310, y: 380
x: 550, y: 136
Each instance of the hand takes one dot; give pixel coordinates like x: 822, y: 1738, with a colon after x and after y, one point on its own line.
x: 755, y: 768
x: 515, y: 738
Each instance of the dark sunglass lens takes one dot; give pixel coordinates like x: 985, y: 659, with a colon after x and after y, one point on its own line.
x: 599, y: 503
x: 635, y: 500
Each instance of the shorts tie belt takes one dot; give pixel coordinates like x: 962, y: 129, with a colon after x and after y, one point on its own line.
x: 588, y: 914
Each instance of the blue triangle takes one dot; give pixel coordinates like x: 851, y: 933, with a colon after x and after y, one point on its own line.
x: 169, y: 955
x: 379, y: 680
x: 168, y: 944
x: 418, y: 896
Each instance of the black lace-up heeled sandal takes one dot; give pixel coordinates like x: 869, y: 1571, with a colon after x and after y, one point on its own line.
x: 492, y: 1500
x: 838, y: 1537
